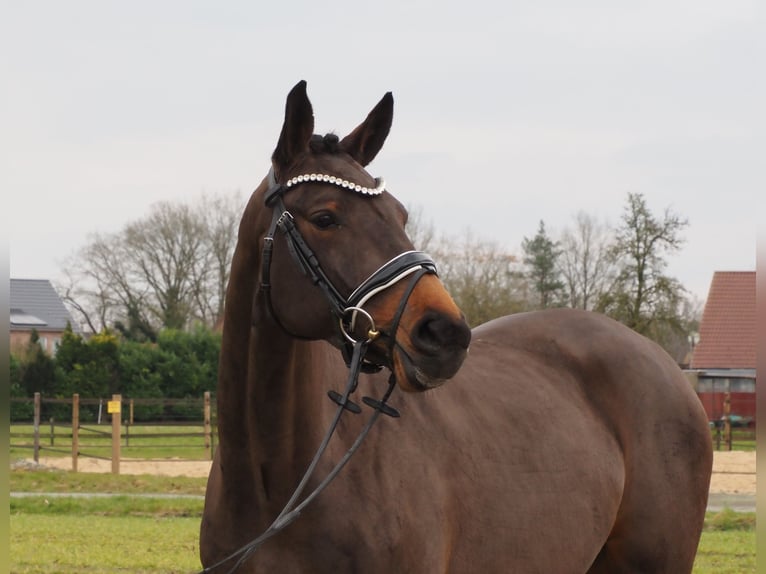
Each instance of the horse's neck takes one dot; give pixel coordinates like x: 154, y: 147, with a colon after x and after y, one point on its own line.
x: 270, y: 403
x: 284, y: 397
x: 269, y: 387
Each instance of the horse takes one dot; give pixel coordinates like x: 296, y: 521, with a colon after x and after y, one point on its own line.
x: 563, y: 442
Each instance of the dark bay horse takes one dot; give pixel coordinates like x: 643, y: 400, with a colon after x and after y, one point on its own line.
x: 563, y: 443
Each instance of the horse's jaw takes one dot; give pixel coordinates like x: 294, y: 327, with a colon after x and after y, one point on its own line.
x: 427, y: 373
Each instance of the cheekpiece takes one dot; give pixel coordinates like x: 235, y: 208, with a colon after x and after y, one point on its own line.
x: 380, y: 183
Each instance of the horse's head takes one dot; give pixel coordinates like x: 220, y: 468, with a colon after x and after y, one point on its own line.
x: 333, y: 238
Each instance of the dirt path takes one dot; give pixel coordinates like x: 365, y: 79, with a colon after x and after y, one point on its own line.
x: 162, y: 467
x: 733, y: 472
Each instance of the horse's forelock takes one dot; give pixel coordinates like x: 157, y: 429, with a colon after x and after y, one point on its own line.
x: 328, y: 143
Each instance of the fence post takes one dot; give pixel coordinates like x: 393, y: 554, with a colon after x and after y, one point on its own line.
x: 75, y: 430
x: 129, y: 422
x: 115, y: 409
x: 36, y: 423
x: 727, y: 420
x: 208, y: 428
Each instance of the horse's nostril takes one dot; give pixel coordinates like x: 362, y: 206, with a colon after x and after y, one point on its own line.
x: 439, y: 332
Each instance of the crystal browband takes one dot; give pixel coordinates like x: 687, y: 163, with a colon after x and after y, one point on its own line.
x: 380, y: 183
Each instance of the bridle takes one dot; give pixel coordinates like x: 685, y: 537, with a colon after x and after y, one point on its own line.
x: 412, y: 264
x: 345, y: 309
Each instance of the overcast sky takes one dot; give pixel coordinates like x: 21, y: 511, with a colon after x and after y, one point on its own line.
x: 505, y: 112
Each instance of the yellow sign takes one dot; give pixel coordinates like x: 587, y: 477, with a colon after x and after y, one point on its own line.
x: 113, y: 407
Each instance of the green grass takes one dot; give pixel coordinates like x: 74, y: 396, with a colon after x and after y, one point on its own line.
x: 726, y: 552
x: 128, y: 534
x: 161, y: 543
x: 118, y: 506
x: 41, y: 543
x: 115, y: 534
x: 67, y: 481
x: 137, y: 441
x: 727, y: 545
x: 728, y: 520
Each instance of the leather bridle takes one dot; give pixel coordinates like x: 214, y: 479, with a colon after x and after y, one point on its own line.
x: 412, y: 264
x: 345, y: 309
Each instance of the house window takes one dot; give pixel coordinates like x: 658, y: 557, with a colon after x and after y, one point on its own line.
x: 742, y: 385
x: 43, y: 342
x: 726, y: 385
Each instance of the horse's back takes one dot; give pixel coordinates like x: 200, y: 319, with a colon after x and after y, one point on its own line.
x: 628, y: 381
x: 594, y: 411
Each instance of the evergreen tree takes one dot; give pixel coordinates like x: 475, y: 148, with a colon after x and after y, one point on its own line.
x: 140, y: 377
x: 90, y: 368
x: 541, y: 255
x: 38, y: 369
x: 20, y: 411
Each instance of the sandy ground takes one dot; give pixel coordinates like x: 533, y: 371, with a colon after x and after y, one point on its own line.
x: 733, y: 472
x: 163, y: 467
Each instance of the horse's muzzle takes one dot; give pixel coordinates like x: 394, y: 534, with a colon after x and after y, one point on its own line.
x: 438, y: 346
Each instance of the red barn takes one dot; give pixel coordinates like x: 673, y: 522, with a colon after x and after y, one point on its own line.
x: 724, y: 359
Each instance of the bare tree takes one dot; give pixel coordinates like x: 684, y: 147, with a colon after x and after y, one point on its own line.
x: 221, y: 215
x: 421, y: 232
x: 167, y: 251
x: 677, y: 336
x: 168, y: 269
x: 91, y: 314
x: 99, y: 284
x: 584, y: 262
x: 485, y: 280
x: 642, y: 296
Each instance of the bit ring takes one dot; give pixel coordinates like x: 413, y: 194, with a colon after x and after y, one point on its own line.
x: 372, y: 332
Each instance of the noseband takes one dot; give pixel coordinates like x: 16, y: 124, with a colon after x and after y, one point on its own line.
x: 345, y: 309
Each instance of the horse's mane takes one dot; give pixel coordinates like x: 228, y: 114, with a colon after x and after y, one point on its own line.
x: 328, y: 143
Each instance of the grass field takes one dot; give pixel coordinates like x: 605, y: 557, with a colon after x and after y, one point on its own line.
x: 152, y: 535
x: 116, y: 534
x: 727, y: 545
x: 78, y: 543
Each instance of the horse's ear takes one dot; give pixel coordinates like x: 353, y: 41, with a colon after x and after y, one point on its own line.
x: 297, y: 129
x: 364, y: 143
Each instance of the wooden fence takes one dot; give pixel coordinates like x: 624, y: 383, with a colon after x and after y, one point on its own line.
x: 86, y: 438
x: 107, y: 428
x: 730, y: 429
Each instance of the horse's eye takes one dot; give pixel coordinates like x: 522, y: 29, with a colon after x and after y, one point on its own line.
x: 324, y: 220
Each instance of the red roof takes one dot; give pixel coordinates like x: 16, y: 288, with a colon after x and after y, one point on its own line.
x: 727, y: 330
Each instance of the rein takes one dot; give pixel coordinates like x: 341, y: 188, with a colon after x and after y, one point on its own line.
x: 413, y: 264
